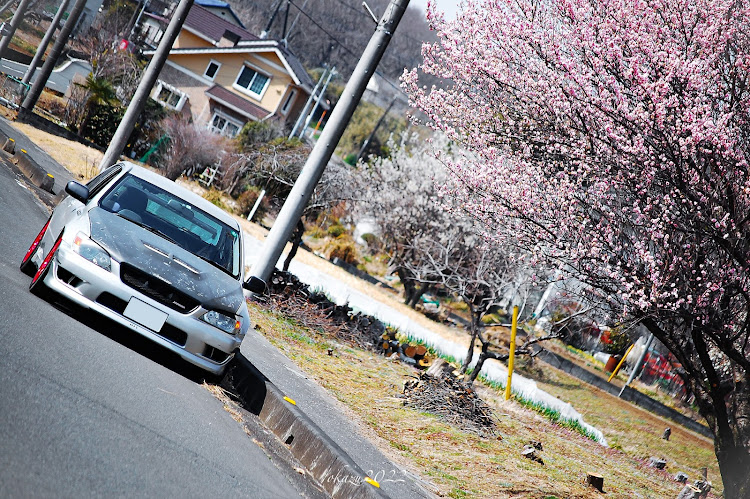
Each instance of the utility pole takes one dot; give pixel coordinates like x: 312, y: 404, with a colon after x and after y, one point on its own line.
x: 14, y: 22
x: 321, y: 153
x: 45, y: 41
x: 6, y: 6
x: 372, y: 134
x: 120, y: 139
x: 41, y: 81
x: 307, y: 105
x: 317, y: 102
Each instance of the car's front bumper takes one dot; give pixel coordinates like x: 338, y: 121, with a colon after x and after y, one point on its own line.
x: 102, y: 291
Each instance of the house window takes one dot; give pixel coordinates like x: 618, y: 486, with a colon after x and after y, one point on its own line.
x: 252, y: 81
x: 212, y: 69
x: 224, y: 126
x: 288, y: 102
x: 169, y: 96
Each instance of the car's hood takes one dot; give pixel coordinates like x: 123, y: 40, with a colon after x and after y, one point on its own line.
x: 128, y: 242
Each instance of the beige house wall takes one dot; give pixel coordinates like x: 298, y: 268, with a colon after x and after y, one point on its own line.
x: 187, y: 40
x: 231, y: 64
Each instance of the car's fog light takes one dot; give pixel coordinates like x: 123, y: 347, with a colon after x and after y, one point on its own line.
x: 91, y: 251
x: 224, y: 322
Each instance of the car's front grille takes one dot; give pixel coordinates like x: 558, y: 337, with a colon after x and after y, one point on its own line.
x: 157, y: 289
x: 173, y: 334
x: 112, y: 302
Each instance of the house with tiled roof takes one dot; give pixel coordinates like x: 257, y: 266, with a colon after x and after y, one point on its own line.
x: 223, y: 76
x: 221, y: 9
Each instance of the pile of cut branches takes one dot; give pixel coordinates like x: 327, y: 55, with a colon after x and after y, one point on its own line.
x: 443, y: 394
x: 291, y: 297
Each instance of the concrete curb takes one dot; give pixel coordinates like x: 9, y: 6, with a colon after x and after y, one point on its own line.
x: 26, y: 164
x: 337, y: 473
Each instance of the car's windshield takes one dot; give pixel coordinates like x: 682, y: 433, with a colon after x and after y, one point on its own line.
x: 187, y: 226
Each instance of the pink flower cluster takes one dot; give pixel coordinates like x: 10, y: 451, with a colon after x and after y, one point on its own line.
x: 610, y: 138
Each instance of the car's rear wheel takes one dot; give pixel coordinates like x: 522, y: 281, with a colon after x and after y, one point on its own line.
x: 27, y: 264
x: 37, y: 285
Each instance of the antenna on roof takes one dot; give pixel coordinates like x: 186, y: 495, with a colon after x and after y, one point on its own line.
x: 369, y: 10
x: 264, y: 33
x: 294, y: 23
x: 286, y: 18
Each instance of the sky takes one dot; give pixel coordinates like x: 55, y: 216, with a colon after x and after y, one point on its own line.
x: 448, y: 6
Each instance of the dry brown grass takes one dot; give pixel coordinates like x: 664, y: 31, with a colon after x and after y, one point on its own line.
x: 461, y: 464
x: 80, y: 160
x: 229, y: 405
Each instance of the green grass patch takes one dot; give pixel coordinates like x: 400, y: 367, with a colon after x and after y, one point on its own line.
x: 554, y: 416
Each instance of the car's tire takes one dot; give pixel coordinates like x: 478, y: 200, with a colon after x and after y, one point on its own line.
x: 37, y: 285
x: 27, y: 264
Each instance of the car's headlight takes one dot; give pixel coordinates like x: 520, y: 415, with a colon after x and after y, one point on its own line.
x: 224, y: 322
x: 91, y: 251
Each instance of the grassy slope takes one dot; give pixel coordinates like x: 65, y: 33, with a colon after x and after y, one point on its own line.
x: 460, y: 464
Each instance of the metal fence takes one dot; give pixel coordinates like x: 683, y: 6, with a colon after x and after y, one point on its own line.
x: 12, y: 91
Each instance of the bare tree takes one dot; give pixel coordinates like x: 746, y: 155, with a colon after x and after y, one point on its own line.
x: 191, y: 148
x: 336, y: 31
x: 263, y: 157
x: 401, y: 195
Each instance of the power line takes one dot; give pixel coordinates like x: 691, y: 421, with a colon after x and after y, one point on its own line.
x: 316, y: 23
x: 341, y: 44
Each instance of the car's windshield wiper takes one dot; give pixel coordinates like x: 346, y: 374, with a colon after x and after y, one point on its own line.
x: 149, y: 228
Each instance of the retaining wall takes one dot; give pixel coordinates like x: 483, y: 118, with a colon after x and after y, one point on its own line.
x: 629, y: 394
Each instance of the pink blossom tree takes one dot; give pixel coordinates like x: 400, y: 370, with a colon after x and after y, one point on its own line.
x: 611, y: 139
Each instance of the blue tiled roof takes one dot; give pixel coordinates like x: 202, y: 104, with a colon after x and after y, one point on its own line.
x: 212, y: 3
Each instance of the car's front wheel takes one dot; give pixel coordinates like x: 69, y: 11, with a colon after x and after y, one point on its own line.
x: 27, y: 264
x: 37, y: 285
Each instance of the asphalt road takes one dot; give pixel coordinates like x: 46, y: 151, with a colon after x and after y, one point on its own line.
x: 88, y: 410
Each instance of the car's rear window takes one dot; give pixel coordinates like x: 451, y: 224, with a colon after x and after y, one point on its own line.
x: 187, y: 226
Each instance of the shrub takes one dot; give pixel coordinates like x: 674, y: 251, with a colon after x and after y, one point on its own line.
x: 215, y: 197
x: 336, y: 230
x: 101, y: 125
x: 616, y: 343
x: 191, y: 148
x: 343, y: 249
x: 246, y: 201
x: 371, y: 240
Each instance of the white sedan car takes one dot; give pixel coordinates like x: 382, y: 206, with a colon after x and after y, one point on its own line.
x: 152, y: 256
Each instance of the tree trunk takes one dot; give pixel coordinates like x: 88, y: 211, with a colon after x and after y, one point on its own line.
x: 474, y: 333
x: 734, y: 463
x: 417, y: 294
x: 407, y: 282
x: 478, y: 366
x: 299, y: 231
x: 596, y: 481
x: 725, y: 408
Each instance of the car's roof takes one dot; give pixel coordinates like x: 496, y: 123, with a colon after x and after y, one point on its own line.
x: 180, y: 191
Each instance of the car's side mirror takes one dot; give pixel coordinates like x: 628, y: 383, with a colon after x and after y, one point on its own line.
x: 255, y: 285
x: 78, y: 191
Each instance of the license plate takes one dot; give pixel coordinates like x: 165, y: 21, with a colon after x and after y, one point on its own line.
x: 145, y: 315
